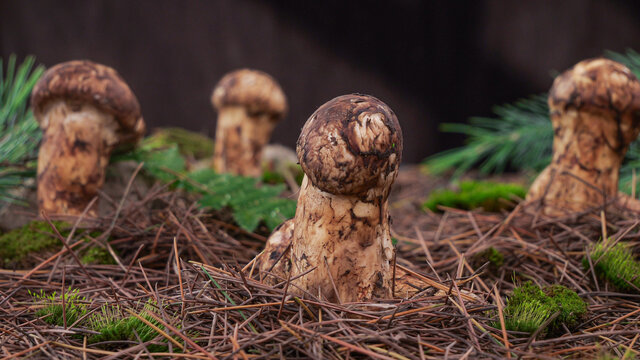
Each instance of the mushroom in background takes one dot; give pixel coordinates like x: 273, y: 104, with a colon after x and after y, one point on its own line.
x: 595, y: 112
x: 85, y: 110
x: 249, y: 104
x: 349, y: 149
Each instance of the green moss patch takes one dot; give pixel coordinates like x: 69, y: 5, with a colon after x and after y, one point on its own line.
x: 616, y: 264
x: 491, y: 196
x: 16, y: 245
x: 112, y: 324
x: 97, y: 255
x: 530, y: 306
x: 75, y: 307
x: 492, y: 256
x: 190, y: 144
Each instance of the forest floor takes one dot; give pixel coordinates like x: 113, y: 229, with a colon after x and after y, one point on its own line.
x: 205, y: 303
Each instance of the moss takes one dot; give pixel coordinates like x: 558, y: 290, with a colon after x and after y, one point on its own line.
x: 97, y: 255
x: 36, y: 236
x: 530, y: 306
x: 190, y: 144
x: 114, y: 326
x: 75, y: 307
x: 615, y: 264
x: 491, y: 255
x: 474, y: 194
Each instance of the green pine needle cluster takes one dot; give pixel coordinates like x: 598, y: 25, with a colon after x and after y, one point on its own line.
x: 491, y: 196
x: 250, y: 201
x: 19, y: 131
x: 530, y: 306
x: 616, y: 264
x: 519, y: 137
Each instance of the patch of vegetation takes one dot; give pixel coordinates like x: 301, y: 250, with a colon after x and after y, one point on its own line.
x: 250, y: 201
x: 16, y: 244
x: 110, y: 321
x: 19, y: 131
x: 491, y: 255
x: 97, y: 255
x: 530, y: 306
x: 190, y: 144
x: 616, y: 264
x: 474, y: 194
x: 75, y: 307
x: 114, y: 326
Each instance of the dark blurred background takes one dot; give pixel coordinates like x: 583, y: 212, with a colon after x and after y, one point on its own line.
x: 431, y: 61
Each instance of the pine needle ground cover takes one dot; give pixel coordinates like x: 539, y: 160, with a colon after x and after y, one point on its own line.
x: 180, y: 245
x: 170, y: 251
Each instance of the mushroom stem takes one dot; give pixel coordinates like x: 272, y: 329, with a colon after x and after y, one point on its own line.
x: 347, y: 240
x: 75, y: 151
x: 240, y: 138
x: 595, y: 115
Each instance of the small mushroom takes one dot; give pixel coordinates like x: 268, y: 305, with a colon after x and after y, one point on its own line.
x: 595, y: 112
x: 339, y: 243
x: 85, y: 110
x: 249, y: 104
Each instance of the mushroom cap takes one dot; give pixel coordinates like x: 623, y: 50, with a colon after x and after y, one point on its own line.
x: 96, y: 84
x: 598, y: 84
x: 350, y: 145
x: 255, y: 90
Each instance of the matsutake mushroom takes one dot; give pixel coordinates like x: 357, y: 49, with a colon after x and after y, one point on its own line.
x: 339, y: 243
x: 595, y: 112
x: 249, y: 103
x: 85, y: 110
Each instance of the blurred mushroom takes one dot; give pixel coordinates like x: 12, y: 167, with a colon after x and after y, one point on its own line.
x: 85, y: 110
x: 595, y: 112
x: 339, y: 243
x: 249, y: 104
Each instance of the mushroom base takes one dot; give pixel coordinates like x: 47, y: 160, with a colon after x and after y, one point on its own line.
x: 342, y: 243
x: 240, y: 138
x: 75, y: 150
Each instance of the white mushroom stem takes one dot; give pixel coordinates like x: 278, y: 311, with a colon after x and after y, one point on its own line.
x: 75, y: 150
x: 347, y: 240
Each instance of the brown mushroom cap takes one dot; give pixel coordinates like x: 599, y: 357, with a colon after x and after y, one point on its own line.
x: 255, y: 90
x: 599, y: 85
x: 350, y: 145
x: 96, y: 84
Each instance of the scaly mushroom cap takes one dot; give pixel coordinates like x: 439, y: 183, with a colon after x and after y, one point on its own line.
x: 83, y: 81
x: 350, y: 145
x: 601, y: 86
x: 255, y: 90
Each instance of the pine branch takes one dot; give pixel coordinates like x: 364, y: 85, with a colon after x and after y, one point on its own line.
x: 19, y: 131
x: 520, y: 137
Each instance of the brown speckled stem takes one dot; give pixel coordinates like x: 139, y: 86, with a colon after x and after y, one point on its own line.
x: 240, y: 139
x: 595, y: 116
x: 75, y: 150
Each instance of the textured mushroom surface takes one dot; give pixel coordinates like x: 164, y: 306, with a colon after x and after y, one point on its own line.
x: 595, y: 113
x: 340, y: 246
x: 249, y: 104
x: 85, y: 110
